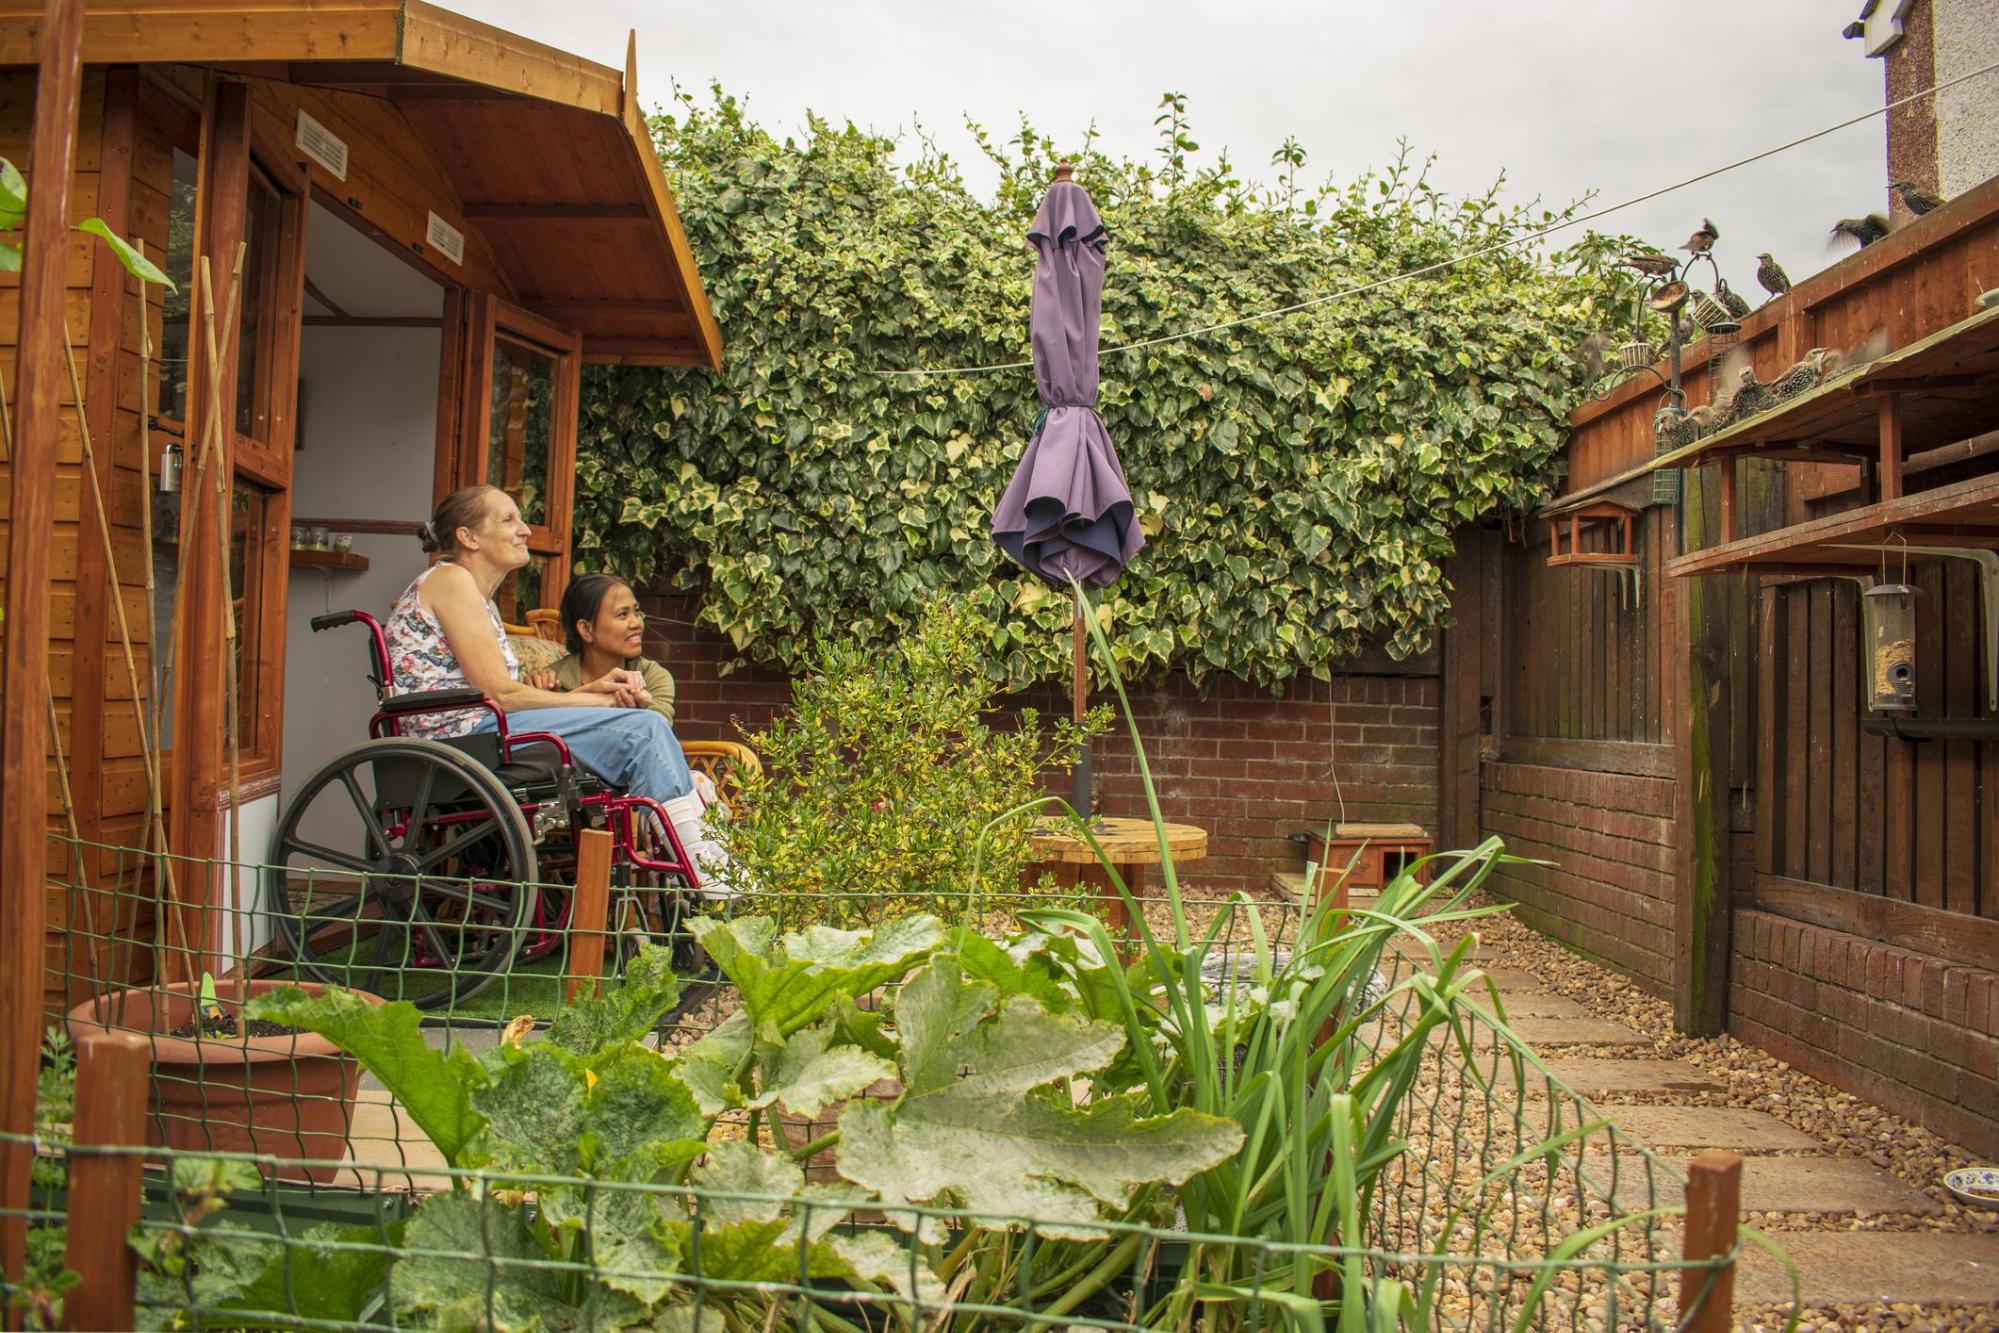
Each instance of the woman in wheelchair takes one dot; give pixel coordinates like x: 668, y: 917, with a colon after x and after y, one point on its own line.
x: 445, y: 633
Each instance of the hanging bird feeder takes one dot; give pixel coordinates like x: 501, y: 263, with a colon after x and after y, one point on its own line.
x: 1888, y: 626
x: 1637, y: 354
x: 1713, y: 316
x: 1667, y: 299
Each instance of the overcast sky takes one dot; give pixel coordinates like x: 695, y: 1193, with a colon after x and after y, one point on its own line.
x: 1564, y: 96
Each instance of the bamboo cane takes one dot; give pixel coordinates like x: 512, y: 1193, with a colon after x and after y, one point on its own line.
x: 212, y: 424
x: 156, y: 819
x: 213, y: 447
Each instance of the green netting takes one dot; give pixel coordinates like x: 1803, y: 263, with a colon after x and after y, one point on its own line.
x: 1401, y: 1158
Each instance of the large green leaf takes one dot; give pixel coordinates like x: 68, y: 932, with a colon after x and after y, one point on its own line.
x: 973, y: 1129
x: 709, y: 1068
x: 786, y: 984
x: 535, y: 1113
x: 807, y: 1075
x: 322, y: 1281
x: 434, y: 1087
x: 637, y: 1114
x: 135, y: 263
x: 626, y: 1011
x: 474, y: 1263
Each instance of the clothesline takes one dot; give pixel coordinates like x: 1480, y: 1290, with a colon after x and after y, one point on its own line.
x: 1497, y: 247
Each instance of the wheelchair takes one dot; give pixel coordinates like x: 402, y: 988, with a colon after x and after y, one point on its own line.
x: 421, y: 870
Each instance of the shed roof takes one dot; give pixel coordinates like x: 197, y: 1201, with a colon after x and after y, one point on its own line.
x: 549, y: 153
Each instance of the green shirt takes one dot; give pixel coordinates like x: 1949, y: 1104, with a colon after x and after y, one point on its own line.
x: 568, y: 671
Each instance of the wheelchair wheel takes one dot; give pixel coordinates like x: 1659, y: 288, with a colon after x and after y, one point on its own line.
x: 403, y: 868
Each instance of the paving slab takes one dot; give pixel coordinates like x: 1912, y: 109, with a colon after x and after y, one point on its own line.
x: 1596, y: 1075
x: 1527, y: 1004
x: 1857, y: 1267
x: 1785, y: 1185
x: 1668, y: 1129
x: 1511, y: 979
x: 1539, y: 1032
x: 383, y: 1136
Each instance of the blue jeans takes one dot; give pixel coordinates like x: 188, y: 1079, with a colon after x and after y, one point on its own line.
x: 634, y: 748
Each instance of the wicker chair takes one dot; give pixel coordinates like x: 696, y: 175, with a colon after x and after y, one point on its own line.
x: 726, y: 763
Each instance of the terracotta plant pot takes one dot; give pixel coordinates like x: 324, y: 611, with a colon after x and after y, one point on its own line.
x: 288, y: 1096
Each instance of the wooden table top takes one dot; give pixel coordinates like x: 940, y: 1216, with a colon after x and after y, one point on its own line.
x: 1125, y: 841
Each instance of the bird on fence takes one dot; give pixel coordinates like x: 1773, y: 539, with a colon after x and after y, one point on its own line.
x: 1865, y: 230
x: 1594, y: 353
x: 1730, y: 299
x: 1771, y: 276
x: 1919, y: 200
x: 1741, y: 394
x: 1706, y: 419
x: 1703, y: 239
x: 1823, y: 363
x: 1651, y: 265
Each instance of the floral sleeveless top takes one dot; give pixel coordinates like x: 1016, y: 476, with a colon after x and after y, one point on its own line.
x: 420, y: 659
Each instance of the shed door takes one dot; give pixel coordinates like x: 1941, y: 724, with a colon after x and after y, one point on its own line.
x: 514, y: 427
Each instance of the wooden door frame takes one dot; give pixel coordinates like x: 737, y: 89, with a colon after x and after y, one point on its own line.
x: 473, y: 322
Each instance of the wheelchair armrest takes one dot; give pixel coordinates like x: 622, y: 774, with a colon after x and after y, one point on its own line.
x: 425, y: 701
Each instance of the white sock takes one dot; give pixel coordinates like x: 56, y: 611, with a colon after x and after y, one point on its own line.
x: 713, y: 865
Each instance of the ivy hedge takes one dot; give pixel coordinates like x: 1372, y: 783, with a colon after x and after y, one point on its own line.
x: 1300, y: 478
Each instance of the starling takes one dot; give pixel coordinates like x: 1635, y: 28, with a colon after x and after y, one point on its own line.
x: 1741, y: 394
x: 1731, y: 300
x: 1594, y: 353
x: 1871, y: 348
x: 1865, y: 230
x: 1805, y: 375
x: 1919, y: 200
x: 1770, y: 276
x: 1703, y: 239
x: 1652, y: 266
x: 1706, y: 420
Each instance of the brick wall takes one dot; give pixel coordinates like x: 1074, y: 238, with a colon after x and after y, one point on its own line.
x: 1906, y: 1031
x: 1609, y: 891
x: 1250, y: 767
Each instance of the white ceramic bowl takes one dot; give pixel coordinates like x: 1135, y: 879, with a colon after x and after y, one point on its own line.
x: 1975, y: 1186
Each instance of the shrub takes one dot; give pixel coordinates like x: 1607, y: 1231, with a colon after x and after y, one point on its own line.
x: 884, y: 790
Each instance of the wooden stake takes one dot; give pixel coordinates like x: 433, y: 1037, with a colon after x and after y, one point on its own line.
x: 589, y: 910
x: 104, y: 1188
x: 24, y: 733
x: 1714, y: 1209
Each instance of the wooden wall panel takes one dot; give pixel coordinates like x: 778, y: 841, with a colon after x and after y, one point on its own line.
x: 1908, y: 821
x: 1581, y: 655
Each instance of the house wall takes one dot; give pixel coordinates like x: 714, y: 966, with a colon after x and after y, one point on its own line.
x: 1250, y: 767
x: 1967, y: 39
x: 1864, y: 941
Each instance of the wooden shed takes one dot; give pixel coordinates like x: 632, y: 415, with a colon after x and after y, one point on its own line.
x: 442, y: 222
x: 1723, y: 813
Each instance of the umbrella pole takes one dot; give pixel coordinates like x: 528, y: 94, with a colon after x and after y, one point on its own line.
x: 1079, y: 795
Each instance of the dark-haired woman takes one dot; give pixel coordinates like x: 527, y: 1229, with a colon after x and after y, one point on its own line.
x: 604, y: 631
x: 446, y: 633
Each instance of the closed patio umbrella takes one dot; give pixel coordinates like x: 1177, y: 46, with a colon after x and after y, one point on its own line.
x: 1067, y: 513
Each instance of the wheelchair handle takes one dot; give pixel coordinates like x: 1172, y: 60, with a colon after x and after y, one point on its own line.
x: 378, y: 647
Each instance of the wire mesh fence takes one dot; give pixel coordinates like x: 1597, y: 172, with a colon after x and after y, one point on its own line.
x: 1255, y: 1113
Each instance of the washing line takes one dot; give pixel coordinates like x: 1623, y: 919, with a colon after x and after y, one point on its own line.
x: 1454, y: 260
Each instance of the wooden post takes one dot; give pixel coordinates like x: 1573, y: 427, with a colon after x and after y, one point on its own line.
x: 1727, y: 498
x: 1714, y: 1208
x: 104, y: 1189
x: 1699, y: 664
x: 1890, y: 480
x: 1462, y: 647
x: 24, y: 728
x: 589, y: 910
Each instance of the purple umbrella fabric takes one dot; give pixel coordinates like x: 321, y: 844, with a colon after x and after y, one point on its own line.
x: 1067, y: 513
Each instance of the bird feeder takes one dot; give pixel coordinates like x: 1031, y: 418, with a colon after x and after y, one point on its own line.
x: 1667, y: 299
x: 1888, y: 627
x: 1712, y: 315
x: 1637, y: 354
